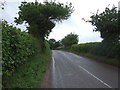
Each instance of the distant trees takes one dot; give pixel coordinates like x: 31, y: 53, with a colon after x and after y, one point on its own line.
x: 42, y: 17
x: 53, y: 43
x: 57, y: 44
x: 69, y: 40
x: 107, y: 24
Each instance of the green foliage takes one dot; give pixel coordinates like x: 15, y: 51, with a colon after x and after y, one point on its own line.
x: 54, y: 44
x: 107, y: 50
x: 31, y: 73
x: 57, y: 44
x: 17, y: 47
x: 85, y: 48
x: 107, y: 24
x: 42, y: 17
x: 51, y: 43
x: 97, y: 48
x: 69, y: 40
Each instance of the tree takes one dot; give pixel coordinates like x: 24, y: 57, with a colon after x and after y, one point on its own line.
x: 69, y: 40
x: 57, y: 44
x: 107, y: 24
x: 53, y: 43
x: 42, y: 17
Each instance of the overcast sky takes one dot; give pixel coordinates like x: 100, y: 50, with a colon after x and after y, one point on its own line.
x: 75, y: 24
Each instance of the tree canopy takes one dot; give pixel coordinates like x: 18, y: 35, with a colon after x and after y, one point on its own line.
x: 42, y: 17
x: 53, y: 43
x: 107, y: 24
x: 70, y: 39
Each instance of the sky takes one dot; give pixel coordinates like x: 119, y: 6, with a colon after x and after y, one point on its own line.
x: 75, y: 24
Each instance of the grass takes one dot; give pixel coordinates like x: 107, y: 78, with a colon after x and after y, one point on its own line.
x: 30, y: 74
x: 111, y: 61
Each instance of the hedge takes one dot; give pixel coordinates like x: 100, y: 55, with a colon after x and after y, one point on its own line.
x: 98, y: 48
x: 17, y: 47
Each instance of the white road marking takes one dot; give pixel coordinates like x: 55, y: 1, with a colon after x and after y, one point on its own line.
x: 95, y: 77
x: 54, y: 77
x: 53, y: 64
x: 55, y: 81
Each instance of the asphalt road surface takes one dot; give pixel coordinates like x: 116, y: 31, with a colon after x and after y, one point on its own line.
x: 72, y: 71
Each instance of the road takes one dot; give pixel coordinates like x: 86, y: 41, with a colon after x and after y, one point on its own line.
x: 72, y: 71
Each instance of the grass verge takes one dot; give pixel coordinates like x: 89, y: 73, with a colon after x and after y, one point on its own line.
x: 103, y: 59
x: 30, y: 74
x: 111, y: 61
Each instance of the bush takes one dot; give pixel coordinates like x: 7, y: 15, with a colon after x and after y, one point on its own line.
x: 107, y: 50
x: 97, y: 48
x: 31, y: 73
x: 17, y: 47
x: 84, y: 48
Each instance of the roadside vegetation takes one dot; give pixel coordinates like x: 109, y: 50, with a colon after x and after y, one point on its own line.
x: 54, y: 44
x: 23, y: 62
x: 26, y: 54
x: 108, y: 51
x: 95, y: 51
